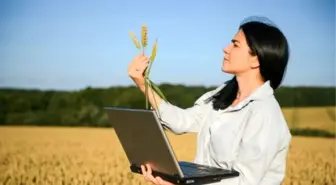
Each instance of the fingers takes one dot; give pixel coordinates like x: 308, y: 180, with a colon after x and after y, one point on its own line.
x: 141, y: 67
x: 136, y: 69
x: 138, y: 66
x: 139, y: 59
x: 148, y: 175
x: 140, y: 56
x: 162, y: 182
x: 141, y: 62
x: 144, y: 59
x: 144, y: 173
x: 149, y: 169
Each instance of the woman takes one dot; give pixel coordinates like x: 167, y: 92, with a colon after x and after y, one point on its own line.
x: 240, y: 124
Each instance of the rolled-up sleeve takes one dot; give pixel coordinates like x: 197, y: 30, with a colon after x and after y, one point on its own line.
x: 261, y: 143
x: 180, y: 120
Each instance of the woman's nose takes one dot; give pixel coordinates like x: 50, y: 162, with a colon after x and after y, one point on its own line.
x: 226, y: 49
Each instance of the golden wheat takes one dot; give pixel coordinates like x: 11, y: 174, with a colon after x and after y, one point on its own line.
x: 135, y: 41
x: 153, y: 55
x: 144, y: 39
x: 32, y: 155
x: 322, y: 118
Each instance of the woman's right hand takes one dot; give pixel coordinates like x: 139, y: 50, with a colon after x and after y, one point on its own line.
x: 136, y: 69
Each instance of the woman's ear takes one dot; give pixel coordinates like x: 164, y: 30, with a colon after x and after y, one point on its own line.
x: 254, y: 62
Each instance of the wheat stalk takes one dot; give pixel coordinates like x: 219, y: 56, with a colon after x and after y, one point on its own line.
x: 157, y: 90
x: 144, y: 38
x: 144, y: 43
x: 152, y: 58
x: 135, y: 41
x: 152, y: 84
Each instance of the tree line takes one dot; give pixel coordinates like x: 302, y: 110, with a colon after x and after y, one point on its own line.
x: 85, y: 107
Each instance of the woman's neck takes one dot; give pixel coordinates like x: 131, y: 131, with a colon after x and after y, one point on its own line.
x: 247, y: 84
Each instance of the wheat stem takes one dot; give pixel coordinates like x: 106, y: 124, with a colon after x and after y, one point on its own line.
x: 146, y: 83
x: 157, y: 108
x: 157, y: 90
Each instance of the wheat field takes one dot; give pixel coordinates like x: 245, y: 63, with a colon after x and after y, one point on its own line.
x: 322, y: 118
x: 37, y: 155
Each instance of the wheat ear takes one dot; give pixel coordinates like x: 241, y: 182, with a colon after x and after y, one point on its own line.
x: 144, y: 38
x: 152, y: 58
x: 144, y: 41
x: 135, y: 41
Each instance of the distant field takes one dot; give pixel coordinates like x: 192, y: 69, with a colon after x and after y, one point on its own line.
x: 30, y: 155
x: 322, y: 118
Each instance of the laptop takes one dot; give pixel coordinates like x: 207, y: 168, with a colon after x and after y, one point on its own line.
x: 144, y: 141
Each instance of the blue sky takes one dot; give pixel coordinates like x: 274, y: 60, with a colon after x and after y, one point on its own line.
x: 59, y: 44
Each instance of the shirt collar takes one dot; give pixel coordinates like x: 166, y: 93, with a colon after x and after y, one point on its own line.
x: 262, y: 92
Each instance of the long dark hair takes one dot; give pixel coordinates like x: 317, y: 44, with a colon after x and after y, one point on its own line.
x: 271, y: 46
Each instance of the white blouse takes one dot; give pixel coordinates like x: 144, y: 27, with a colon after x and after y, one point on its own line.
x: 251, y: 137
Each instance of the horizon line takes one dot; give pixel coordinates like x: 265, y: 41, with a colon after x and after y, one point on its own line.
x: 133, y: 85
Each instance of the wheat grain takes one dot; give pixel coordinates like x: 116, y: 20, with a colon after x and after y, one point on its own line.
x: 144, y: 38
x: 135, y: 41
x: 153, y: 55
x: 151, y: 59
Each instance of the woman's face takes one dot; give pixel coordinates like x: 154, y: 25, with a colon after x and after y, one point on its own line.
x: 237, y: 59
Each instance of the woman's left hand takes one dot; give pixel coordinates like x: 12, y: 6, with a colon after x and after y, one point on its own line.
x: 149, y: 177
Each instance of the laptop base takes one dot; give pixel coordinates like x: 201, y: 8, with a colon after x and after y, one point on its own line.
x: 215, y: 176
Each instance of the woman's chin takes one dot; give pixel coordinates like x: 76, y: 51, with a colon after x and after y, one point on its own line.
x: 226, y: 70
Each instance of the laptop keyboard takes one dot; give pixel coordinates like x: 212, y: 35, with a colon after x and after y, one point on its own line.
x: 194, y: 171
x: 191, y: 169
